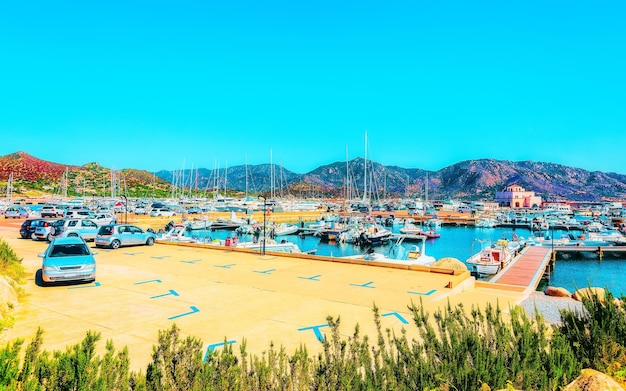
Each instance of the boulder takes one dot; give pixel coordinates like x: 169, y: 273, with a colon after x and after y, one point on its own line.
x: 450, y: 263
x: 592, y: 380
x: 557, y: 291
x: 589, y: 293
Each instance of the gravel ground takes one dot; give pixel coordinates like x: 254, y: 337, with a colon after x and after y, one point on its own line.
x: 549, y: 306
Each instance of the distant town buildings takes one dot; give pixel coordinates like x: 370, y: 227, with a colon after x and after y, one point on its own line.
x: 515, y: 196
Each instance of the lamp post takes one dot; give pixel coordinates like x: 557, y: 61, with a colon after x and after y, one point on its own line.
x: 262, y: 198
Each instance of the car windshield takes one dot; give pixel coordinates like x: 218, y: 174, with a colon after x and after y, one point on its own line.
x: 64, y: 250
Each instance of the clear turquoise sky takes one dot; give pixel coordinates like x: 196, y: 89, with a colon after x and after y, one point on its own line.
x: 170, y: 84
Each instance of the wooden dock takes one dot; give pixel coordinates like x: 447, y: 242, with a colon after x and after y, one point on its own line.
x: 525, y: 271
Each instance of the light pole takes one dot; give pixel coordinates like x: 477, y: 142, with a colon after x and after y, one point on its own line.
x: 262, y: 198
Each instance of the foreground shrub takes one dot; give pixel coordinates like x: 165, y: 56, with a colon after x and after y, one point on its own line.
x: 597, y: 335
x: 10, y: 264
x: 454, y: 349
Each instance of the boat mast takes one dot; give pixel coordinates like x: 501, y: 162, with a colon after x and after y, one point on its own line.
x: 426, y: 195
x: 347, y: 178
x: 271, y: 176
x: 10, y: 189
x: 365, y: 173
x: 246, y: 176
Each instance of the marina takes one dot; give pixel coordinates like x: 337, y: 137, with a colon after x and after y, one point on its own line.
x: 453, y: 234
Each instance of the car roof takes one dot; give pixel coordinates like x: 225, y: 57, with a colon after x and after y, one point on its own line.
x: 68, y: 240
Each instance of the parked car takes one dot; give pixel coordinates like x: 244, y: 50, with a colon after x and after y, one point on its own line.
x: 43, y: 231
x: 16, y: 212
x: 157, y: 212
x: 80, y: 214
x: 68, y: 259
x: 117, y: 235
x: 83, y: 228
x: 27, y: 229
x: 141, y: 210
x: 104, y: 219
x: 50, y: 211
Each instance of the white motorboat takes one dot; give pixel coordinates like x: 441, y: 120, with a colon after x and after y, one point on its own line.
x: 400, y: 255
x: 285, y: 229
x: 177, y: 233
x: 491, y: 258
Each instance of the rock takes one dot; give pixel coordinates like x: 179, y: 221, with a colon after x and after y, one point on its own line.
x: 589, y: 292
x: 592, y: 380
x: 8, y: 297
x: 557, y: 291
x: 450, y: 263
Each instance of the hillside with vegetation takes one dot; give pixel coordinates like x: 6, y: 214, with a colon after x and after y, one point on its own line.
x: 33, y: 176
x: 467, y: 180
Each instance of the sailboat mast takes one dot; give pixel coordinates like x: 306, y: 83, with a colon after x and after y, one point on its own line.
x: 347, y: 177
x: 365, y: 172
x: 246, y: 176
x: 426, y: 195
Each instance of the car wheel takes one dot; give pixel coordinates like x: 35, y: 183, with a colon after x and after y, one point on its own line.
x: 33, y: 237
x: 49, y: 237
x: 150, y: 241
x: 115, y: 244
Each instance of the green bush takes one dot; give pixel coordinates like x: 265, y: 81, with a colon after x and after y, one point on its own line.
x: 455, y: 349
x: 10, y: 264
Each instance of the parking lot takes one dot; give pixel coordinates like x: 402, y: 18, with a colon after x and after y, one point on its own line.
x: 218, y: 295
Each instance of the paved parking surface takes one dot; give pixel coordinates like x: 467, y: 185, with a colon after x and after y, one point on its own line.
x: 218, y: 295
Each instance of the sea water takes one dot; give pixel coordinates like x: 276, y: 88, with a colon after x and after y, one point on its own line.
x: 463, y: 241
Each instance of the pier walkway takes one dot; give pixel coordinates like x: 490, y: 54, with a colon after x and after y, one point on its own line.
x: 525, y: 271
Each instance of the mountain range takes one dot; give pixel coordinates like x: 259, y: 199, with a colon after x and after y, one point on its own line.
x: 468, y: 180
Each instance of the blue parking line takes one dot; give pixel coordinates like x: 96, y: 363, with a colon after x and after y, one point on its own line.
x: 194, y: 309
x: 316, y: 330
x: 312, y: 278
x: 133, y: 254
x: 171, y: 292
x: 193, y: 262
x: 397, y: 315
x: 162, y: 257
x: 226, y: 266
x: 212, y: 347
x: 366, y: 285
x: 430, y: 292
x: 264, y: 271
x: 146, y: 282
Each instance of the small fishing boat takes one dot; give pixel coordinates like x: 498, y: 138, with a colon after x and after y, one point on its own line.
x: 491, y: 258
x: 176, y: 233
x: 285, y: 229
x: 412, y: 229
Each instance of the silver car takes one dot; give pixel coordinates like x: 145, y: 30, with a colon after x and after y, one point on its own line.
x: 117, y: 235
x: 83, y: 228
x: 68, y: 259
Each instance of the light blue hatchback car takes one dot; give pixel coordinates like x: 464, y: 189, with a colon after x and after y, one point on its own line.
x: 68, y: 259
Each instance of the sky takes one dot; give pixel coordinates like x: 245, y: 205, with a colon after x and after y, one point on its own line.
x: 165, y: 85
